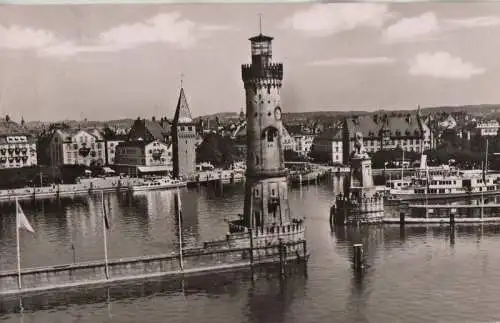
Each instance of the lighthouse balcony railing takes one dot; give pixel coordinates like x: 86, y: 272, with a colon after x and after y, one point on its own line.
x: 271, y: 70
x: 291, y: 228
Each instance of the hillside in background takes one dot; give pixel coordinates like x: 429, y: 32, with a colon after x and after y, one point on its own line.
x: 491, y: 110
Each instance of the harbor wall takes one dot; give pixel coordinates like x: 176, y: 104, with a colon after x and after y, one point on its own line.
x: 194, y: 261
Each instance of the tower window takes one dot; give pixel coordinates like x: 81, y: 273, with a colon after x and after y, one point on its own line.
x: 257, y: 159
x: 260, y: 96
x: 190, y: 128
x: 256, y: 114
x: 273, y: 192
x: 269, y: 114
x: 268, y: 89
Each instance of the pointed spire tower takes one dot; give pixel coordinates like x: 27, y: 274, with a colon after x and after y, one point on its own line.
x: 183, y: 139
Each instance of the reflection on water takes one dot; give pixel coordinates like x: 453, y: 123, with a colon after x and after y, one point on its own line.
x: 412, y: 274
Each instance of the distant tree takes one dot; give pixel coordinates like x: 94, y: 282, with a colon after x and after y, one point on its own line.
x: 293, y: 156
x: 218, y: 150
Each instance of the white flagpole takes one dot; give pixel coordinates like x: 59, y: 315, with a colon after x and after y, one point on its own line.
x: 105, y: 237
x: 181, y: 260
x: 18, y: 247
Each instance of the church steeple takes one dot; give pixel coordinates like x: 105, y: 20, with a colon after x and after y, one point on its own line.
x: 183, y: 139
x: 182, y: 112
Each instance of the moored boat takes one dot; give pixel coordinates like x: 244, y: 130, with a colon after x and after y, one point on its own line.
x: 158, y: 184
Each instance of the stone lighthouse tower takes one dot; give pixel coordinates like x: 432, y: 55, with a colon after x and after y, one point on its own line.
x: 266, y: 198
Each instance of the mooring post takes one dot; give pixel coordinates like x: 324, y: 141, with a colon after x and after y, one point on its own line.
x: 358, y: 256
x: 250, y: 231
x: 452, y: 217
x: 74, y: 253
x: 401, y: 219
x: 282, y: 260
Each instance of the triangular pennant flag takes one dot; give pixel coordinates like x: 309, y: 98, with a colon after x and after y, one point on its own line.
x: 22, y: 221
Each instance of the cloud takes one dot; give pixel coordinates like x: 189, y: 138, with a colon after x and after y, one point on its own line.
x: 473, y: 22
x: 169, y: 28
x: 326, y: 19
x: 443, y: 65
x: 411, y: 29
x: 354, y: 61
x: 427, y: 27
x: 17, y: 37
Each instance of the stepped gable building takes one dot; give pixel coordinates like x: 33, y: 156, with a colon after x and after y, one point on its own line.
x: 184, y: 140
x: 18, y: 148
x: 386, y: 131
x: 147, y: 149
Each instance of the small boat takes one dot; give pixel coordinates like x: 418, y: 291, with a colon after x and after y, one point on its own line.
x: 158, y: 184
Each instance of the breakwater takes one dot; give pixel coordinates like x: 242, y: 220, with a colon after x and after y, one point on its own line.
x: 199, y: 260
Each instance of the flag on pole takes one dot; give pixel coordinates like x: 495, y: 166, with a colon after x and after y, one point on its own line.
x: 105, y: 214
x: 22, y: 221
x: 179, y: 205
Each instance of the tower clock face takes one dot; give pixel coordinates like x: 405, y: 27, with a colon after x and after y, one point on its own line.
x: 277, y: 113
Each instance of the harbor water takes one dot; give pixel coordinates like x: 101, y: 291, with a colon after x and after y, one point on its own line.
x: 413, y: 274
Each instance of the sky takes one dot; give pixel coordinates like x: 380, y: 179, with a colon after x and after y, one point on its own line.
x: 104, y: 62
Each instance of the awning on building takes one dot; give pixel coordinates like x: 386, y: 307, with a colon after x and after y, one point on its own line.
x: 152, y: 169
x: 107, y: 170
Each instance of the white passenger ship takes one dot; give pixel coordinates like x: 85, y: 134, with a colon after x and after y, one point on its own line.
x: 158, y: 183
x: 443, y: 182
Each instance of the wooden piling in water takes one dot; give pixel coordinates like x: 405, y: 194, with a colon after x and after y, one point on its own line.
x: 358, y: 256
x: 401, y: 219
x: 452, y: 217
x: 282, y: 258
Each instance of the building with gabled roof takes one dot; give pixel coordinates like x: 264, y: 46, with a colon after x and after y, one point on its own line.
x: 184, y: 139
x: 327, y: 146
x: 140, y: 157
x: 17, y: 146
x: 73, y: 147
x: 386, y: 131
x: 149, y: 130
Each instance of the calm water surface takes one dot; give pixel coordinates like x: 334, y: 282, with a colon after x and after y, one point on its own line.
x: 419, y: 274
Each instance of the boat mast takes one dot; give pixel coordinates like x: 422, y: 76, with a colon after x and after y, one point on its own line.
x: 402, y: 164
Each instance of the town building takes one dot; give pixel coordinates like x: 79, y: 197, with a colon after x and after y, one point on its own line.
x: 146, y: 149
x: 18, y: 147
x: 142, y: 157
x: 487, y: 128
x: 327, y: 146
x: 302, y: 137
x: 382, y: 131
x: 73, y: 147
x: 112, y: 138
x: 184, y: 140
